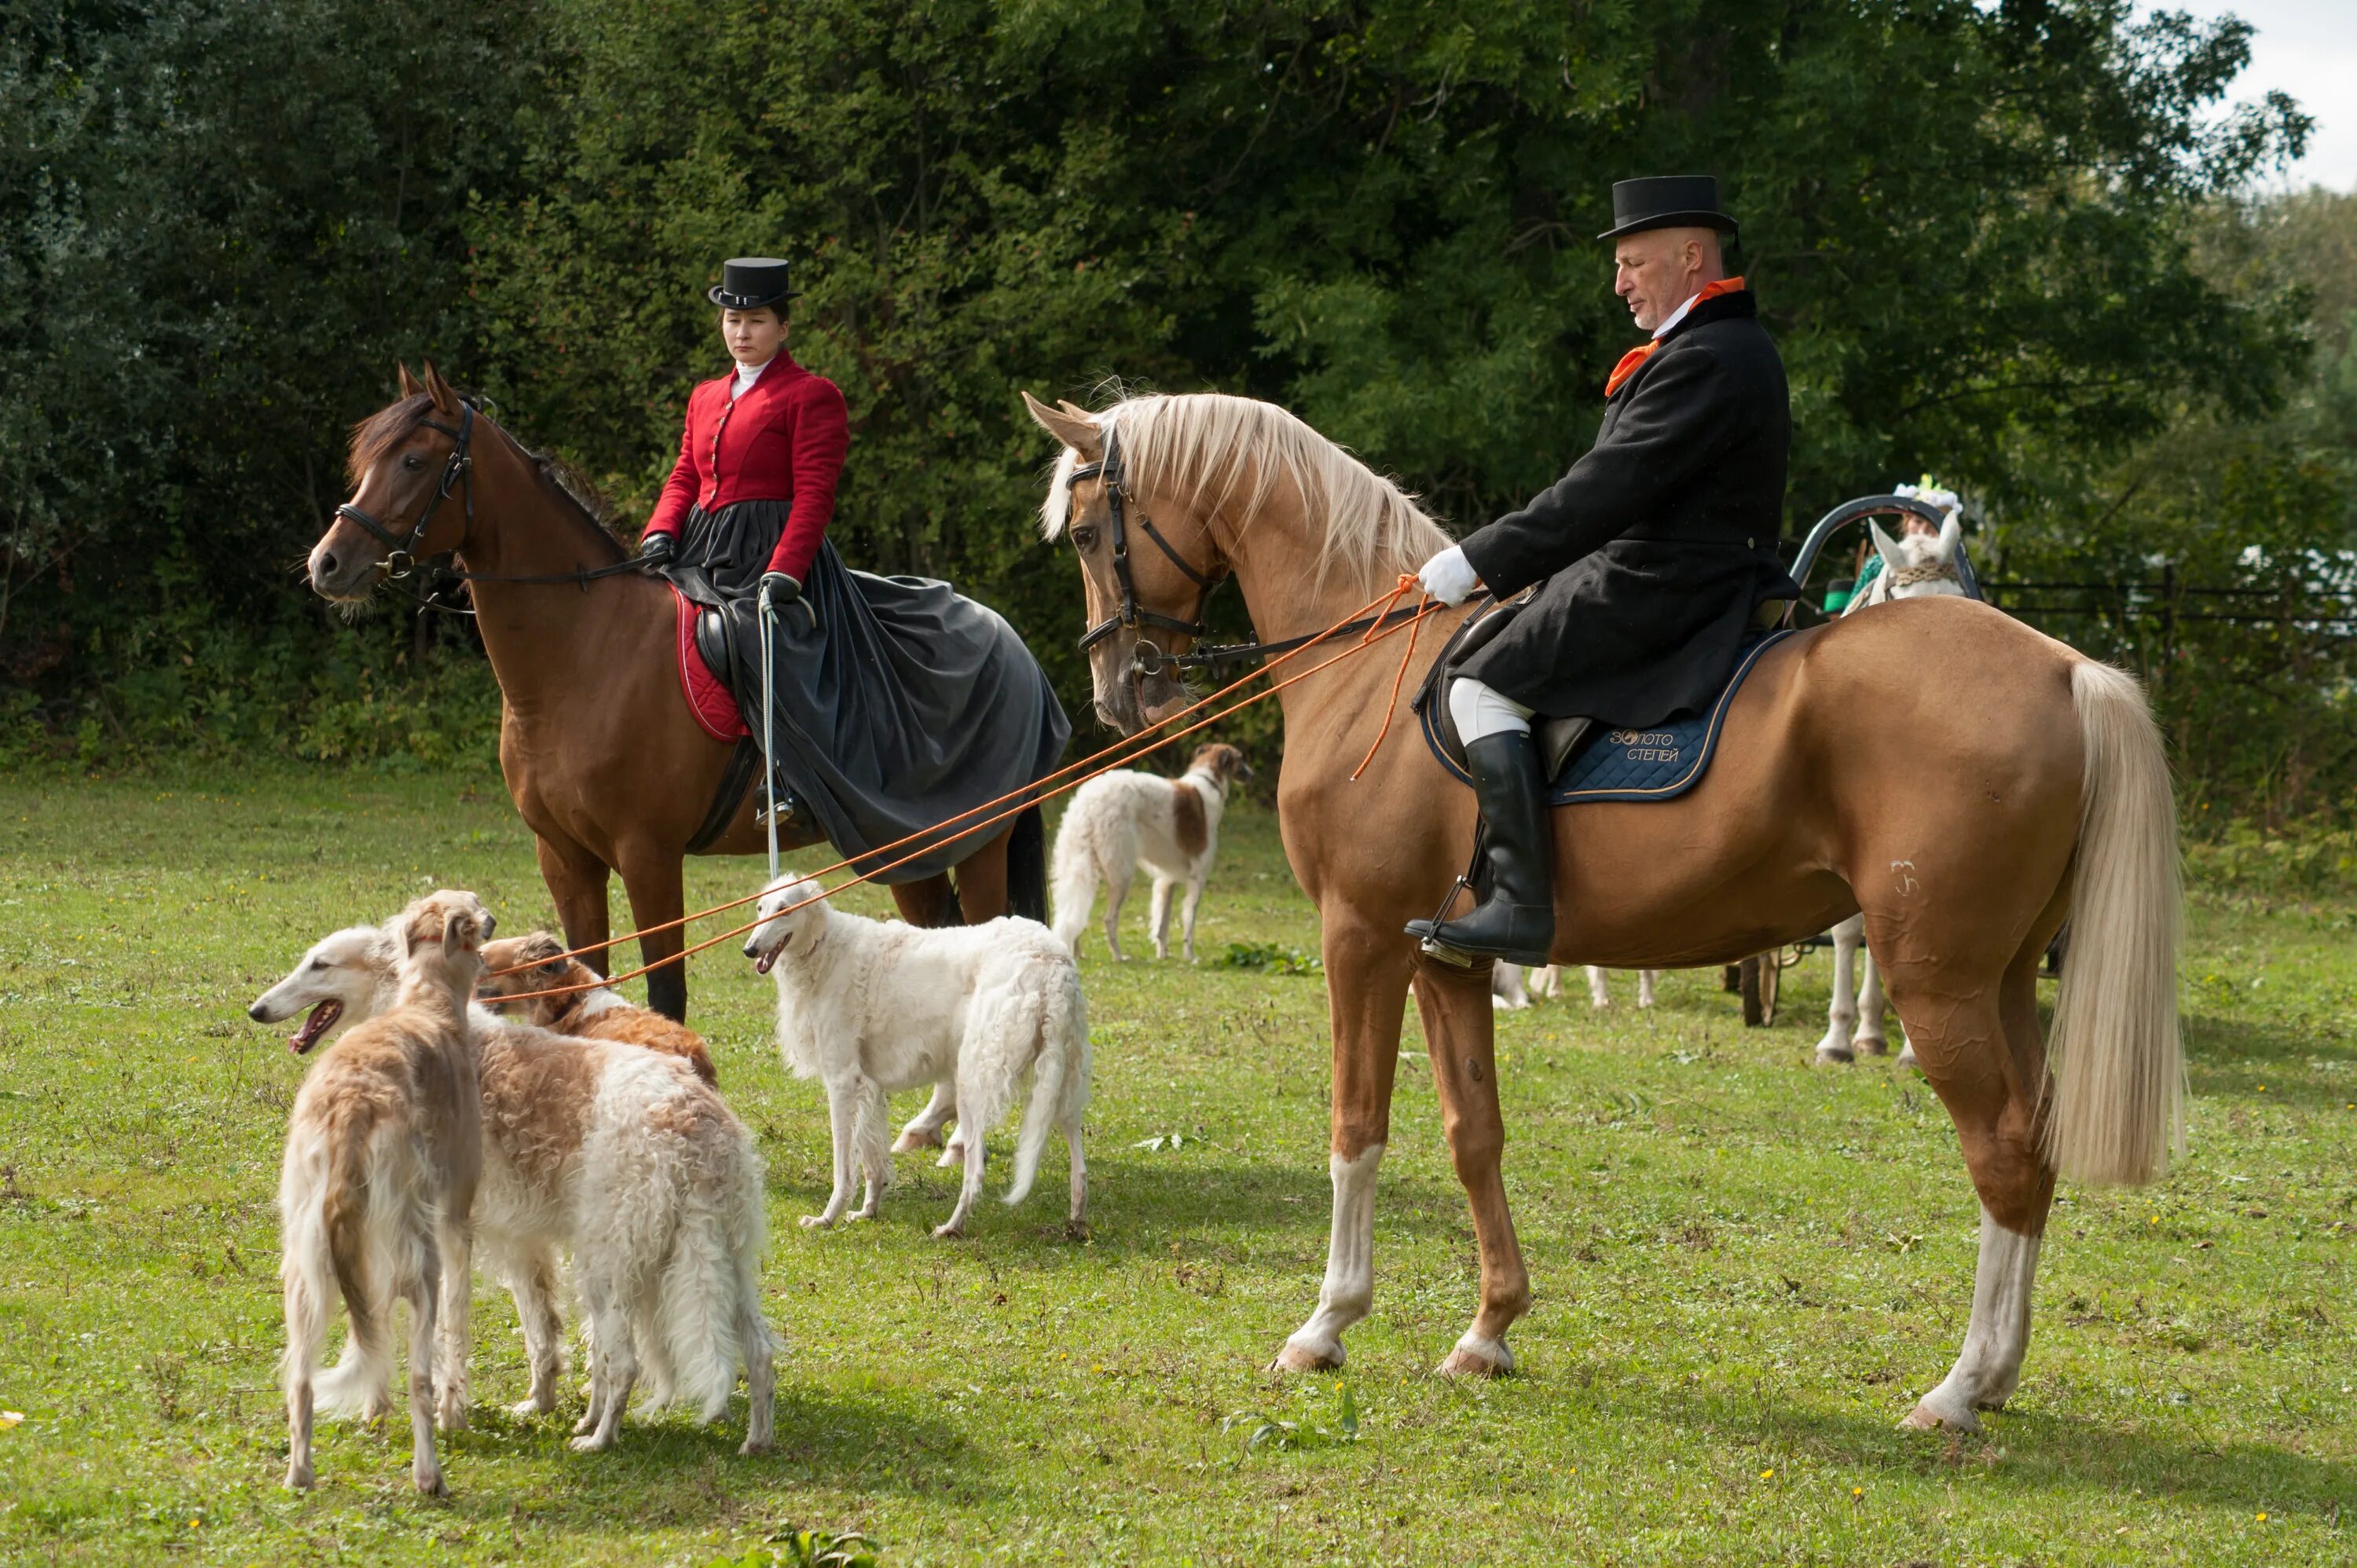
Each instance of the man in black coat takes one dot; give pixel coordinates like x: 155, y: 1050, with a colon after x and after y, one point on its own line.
x: 1656, y: 554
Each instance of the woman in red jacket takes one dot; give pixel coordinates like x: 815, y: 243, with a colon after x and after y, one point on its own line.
x: 898, y: 703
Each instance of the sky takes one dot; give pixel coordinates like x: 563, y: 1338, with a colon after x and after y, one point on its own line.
x: 2307, y: 48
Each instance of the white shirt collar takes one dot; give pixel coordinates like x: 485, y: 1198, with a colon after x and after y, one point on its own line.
x: 1676, y: 316
x: 747, y: 376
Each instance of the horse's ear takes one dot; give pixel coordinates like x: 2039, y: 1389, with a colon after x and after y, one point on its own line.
x: 410, y: 385
x: 439, y: 389
x: 1951, y: 534
x: 1075, y: 430
x: 1075, y: 410
x: 1886, y: 546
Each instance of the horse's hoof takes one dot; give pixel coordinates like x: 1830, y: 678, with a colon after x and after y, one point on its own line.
x: 1836, y: 1056
x: 1478, y: 1358
x: 1925, y: 1417
x: 1299, y: 1357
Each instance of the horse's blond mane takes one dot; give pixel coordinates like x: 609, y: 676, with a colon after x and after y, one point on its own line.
x: 1207, y: 446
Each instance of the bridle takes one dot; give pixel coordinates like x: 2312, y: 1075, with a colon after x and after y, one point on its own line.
x: 458, y: 472
x: 1147, y: 657
x: 1150, y: 657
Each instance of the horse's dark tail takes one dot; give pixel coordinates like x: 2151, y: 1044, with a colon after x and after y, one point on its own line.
x: 1027, y: 867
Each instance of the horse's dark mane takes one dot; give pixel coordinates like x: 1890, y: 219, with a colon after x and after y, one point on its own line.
x: 381, y: 432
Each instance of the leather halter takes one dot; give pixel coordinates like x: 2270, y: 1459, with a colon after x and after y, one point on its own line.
x: 458, y: 472
x: 1149, y: 657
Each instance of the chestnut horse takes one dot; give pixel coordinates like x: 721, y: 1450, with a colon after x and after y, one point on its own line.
x: 1965, y: 829
x: 606, y: 763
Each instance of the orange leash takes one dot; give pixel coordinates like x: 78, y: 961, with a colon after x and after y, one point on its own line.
x: 1373, y: 636
x: 1413, y: 627
x: 1137, y: 745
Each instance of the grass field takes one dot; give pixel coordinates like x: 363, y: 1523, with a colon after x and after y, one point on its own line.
x: 1746, y: 1269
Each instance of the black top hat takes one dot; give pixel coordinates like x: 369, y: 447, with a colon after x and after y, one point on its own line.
x: 1666, y: 201
x: 748, y: 283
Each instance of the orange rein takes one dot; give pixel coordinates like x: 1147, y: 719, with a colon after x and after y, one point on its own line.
x: 1133, y: 747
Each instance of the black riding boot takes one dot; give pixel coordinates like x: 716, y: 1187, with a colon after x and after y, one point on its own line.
x: 1516, y: 922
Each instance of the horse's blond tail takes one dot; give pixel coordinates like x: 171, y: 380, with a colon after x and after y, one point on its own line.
x: 2119, y: 1112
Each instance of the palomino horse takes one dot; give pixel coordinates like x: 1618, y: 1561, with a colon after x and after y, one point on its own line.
x: 606, y: 763
x: 1965, y: 829
x: 1919, y: 564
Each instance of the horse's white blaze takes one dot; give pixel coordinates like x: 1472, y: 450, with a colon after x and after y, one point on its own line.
x: 1349, y: 1292
x: 1989, y: 1365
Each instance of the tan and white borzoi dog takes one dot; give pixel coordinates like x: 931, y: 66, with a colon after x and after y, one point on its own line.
x: 383, y: 1151
x: 869, y: 1007
x: 1118, y: 821
x: 586, y: 1007
x: 620, y: 1155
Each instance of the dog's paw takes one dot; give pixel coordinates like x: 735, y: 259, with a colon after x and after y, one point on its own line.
x: 430, y: 1482
x: 299, y: 1477
x: 534, y: 1406
x: 914, y: 1138
x: 587, y: 1423
x: 751, y: 1446
x: 948, y: 1230
x: 817, y: 1222
x: 590, y: 1443
x: 856, y: 1215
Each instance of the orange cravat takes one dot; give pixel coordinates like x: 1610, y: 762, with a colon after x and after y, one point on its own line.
x: 1644, y: 351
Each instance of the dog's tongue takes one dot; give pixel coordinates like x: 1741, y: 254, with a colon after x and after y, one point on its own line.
x: 322, y: 1017
x: 761, y: 965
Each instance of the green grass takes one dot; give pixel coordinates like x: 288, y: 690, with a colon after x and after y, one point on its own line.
x: 1745, y: 1269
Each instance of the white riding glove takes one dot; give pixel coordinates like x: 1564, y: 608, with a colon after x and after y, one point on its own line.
x: 1449, y: 577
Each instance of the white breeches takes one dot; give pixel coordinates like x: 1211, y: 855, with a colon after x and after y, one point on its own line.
x: 1478, y: 710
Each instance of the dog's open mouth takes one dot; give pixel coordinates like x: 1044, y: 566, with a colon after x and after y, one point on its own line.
x: 323, y: 1018
x: 761, y: 965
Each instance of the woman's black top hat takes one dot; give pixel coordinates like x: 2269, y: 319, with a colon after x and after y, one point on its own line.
x: 748, y: 283
x: 1666, y: 201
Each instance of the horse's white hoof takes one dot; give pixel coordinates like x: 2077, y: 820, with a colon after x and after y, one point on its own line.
x: 1308, y: 1356
x: 1836, y: 1056
x: 1873, y: 1046
x: 1476, y: 1357
x: 1929, y: 1417
x: 1907, y: 1058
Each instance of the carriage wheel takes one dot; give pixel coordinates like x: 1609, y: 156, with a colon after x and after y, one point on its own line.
x: 1730, y: 979
x: 1761, y: 977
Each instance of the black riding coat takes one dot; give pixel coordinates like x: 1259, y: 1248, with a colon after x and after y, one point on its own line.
x: 1656, y: 552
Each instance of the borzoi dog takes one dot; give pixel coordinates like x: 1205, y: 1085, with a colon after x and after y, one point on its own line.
x: 1118, y: 821
x: 869, y: 1007
x: 383, y: 1151
x: 617, y: 1154
x: 585, y: 1007
x: 1511, y: 990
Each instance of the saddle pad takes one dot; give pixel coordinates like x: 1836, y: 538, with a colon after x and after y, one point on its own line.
x: 1661, y: 763
x: 707, y: 699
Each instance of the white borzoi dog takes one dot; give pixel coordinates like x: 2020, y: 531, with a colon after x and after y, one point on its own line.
x: 1511, y: 990
x: 867, y: 1007
x: 1118, y: 821
x: 620, y: 1155
x: 384, y: 1153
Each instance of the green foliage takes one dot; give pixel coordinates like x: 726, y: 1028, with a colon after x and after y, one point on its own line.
x: 1265, y: 1431
x: 808, y: 1549
x: 1270, y: 958
x: 2314, y: 860
x: 1989, y: 237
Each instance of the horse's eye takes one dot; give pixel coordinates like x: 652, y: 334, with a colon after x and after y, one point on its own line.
x: 413, y: 461
x: 1084, y: 540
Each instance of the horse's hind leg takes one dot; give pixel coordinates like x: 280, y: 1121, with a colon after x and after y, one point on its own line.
x: 1461, y: 1036
x: 1987, y: 1059
x: 981, y: 882
x: 1841, y: 1014
x: 926, y: 903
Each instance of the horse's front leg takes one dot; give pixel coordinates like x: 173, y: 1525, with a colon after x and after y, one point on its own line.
x: 1460, y: 1036
x: 1366, y: 987
x: 576, y: 882
x: 651, y: 877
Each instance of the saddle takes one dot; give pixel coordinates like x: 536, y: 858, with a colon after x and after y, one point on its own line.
x: 1581, y: 761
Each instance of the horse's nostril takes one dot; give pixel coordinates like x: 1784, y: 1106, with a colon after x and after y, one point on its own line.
x: 326, y: 566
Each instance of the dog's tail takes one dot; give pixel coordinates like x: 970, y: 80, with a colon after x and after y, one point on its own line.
x: 1060, y: 1075
x: 323, y: 1197
x: 711, y: 1284
x: 1076, y: 872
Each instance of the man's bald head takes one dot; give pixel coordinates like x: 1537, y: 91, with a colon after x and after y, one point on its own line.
x: 1658, y: 269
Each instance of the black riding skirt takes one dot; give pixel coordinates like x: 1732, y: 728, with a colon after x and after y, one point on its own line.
x: 897, y: 703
